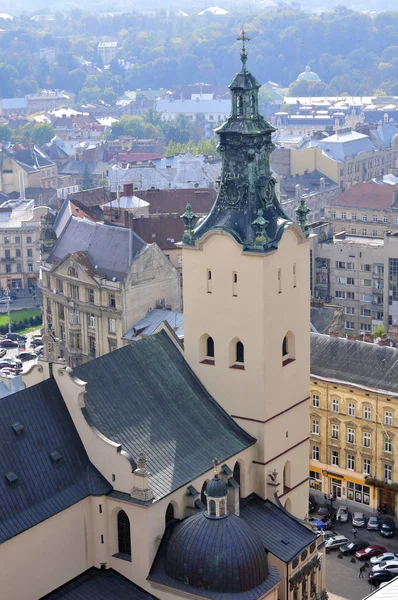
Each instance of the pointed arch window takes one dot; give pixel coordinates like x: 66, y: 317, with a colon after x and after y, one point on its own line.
x: 123, y: 533
x: 169, y: 513
x: 207, y: 351
x: 252, y: 105
x: 212, y: 508
x: 210, y: 347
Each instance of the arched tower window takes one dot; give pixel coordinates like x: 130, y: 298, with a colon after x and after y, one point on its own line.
x: 236, y: 474
x: 210, y: 347
x: 212, y: 508
x: 240, y: 352
x: 169, y: 513
x: 123, y: 533
x: 203, y: 496
x: 287, y: 477
x: 239, y: 106
x: 288, y: 349
x: 252, y: 106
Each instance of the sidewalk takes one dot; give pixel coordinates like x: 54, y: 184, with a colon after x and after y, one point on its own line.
x: 350, y: 504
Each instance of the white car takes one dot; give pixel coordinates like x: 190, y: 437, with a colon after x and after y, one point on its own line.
x: 5, y: 300
x: 376, y: 560
x: 336, y: 541
x: 342, y: 514
x: 387, y: 565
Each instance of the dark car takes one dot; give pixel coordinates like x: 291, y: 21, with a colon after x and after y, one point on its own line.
x: 353, y: 547
x: 36, y: 342
x: 323, y: 511
x: 311, y: 503
x: 13, y: 296
x: 26, y: 356
x: 8, y: 344
x: 387, y: 527
x: 16, y: 337
x: 380, y: 577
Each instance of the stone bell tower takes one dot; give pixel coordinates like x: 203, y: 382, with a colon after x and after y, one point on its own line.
x: 246, y: 301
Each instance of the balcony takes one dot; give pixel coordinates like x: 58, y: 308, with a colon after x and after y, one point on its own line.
x: 73, y: 351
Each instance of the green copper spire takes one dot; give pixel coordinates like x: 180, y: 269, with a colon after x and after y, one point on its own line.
x: 189, y: 218
x: 246, y: 206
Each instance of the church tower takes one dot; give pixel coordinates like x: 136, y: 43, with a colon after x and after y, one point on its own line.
x: 246, y: 302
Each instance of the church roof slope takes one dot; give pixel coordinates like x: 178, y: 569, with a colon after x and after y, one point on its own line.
x: 145, y: 397
x: 282, y: 535
x: 96, y: 584
x: 358, y: 363
x: 44, y: 466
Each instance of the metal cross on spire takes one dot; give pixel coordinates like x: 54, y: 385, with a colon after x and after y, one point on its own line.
x: 243, y: 38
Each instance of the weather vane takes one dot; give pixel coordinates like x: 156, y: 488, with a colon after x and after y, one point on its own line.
x: 215, y: 462
x: 243, y: 38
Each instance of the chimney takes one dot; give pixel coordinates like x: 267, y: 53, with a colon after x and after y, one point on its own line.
x: 128, y: 189
x: 298, y: 191
x: 334, y: 334
x: 322, y: 184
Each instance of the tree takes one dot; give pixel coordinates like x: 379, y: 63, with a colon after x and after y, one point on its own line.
x: 87, y: 180
x: 5, y: 133
x: 378, y: 332
x: 42, y: 133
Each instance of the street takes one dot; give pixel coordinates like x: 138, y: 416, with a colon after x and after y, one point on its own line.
x: 19, y: 303
x: 342, y: 581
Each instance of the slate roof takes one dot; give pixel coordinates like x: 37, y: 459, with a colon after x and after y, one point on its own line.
x: 152, y: 320
x: 175, y: 201
x: 142, y: 177
x: 93, y: 197
x: 111, y: 248
x: 32, y: 158
x: 324, y: 317
x: 165, y: 230
x: 344, y: 145
x: 95, y: 584
x: 145, y: 397
x: 366, y: 195
x: 14, y: 103
x: 43, y: 488
x: 356, y: 363
x: 282, y: 535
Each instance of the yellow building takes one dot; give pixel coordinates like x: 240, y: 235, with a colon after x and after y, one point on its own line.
x: 354, y: 421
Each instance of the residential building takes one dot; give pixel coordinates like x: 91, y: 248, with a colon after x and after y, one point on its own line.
x: 48, y: 100
x: 107, y: 51
x: 114, y: 457
x: 359, y: 274
x: 353, y: 420
x: 367, y: 209
x: 212, y: 110
x: 97, y: 281
x: 347, y: 158
x: 26, y: 168
x: 20, y: 245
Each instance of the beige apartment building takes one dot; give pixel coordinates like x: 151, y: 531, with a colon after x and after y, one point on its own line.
x: 353, y: 421
x: 367, y: 209
x: 20, y: 245
x: 97, y: 281
x: 26, y: 168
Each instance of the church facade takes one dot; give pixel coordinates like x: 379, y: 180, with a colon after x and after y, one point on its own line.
x: 162, y: 471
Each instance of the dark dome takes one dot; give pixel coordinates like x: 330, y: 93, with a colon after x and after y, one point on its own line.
x: 219, y: 555
x: 216, y: 488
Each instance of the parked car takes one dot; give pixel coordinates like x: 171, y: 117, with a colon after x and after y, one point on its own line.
x: 373, y: 524
x: 374, y: 550
x: 317, y: 524
x: 328, y: 534
x: 337, y: 541
x: 13, y: 296
x: 16, y: 337
x: 353, y: 547
x: 380, y: 577
x: 323, y: 511
x: 375, y: 560
x: 387, y: 527
x: 386, y: 565
x: 358, y: 519
x: 3, y: 352
x: 10, y: 362
x: 311, y: 503
x: 5, y: 300
x: 342, y: 514
x: 39, y: 350
x: 24, y: 356
x: 8, y: 343
x: 36, y: 342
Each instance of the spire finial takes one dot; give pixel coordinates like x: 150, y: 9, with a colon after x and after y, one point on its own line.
x: 215, y: 462
x: 302, y: 211
x: 243, y: 55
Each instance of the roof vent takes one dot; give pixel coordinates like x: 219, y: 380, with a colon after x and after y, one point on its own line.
x: 12, y: 478
x: 18, y: 428
x: 286, y: 542
x: 56, y: 457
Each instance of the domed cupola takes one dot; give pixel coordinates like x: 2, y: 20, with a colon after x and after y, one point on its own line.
x: 308, y: 75
x: 216, y: 493
x: 217, y: 551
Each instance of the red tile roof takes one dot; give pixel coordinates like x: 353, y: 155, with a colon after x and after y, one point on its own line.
x: 165, y: 230
x: 367, y: 195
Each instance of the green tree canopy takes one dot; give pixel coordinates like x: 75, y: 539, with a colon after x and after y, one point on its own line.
x: 5, y: 134
x: 42, y: 133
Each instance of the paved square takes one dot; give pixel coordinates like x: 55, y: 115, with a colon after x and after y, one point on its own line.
x: 342, y: 581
